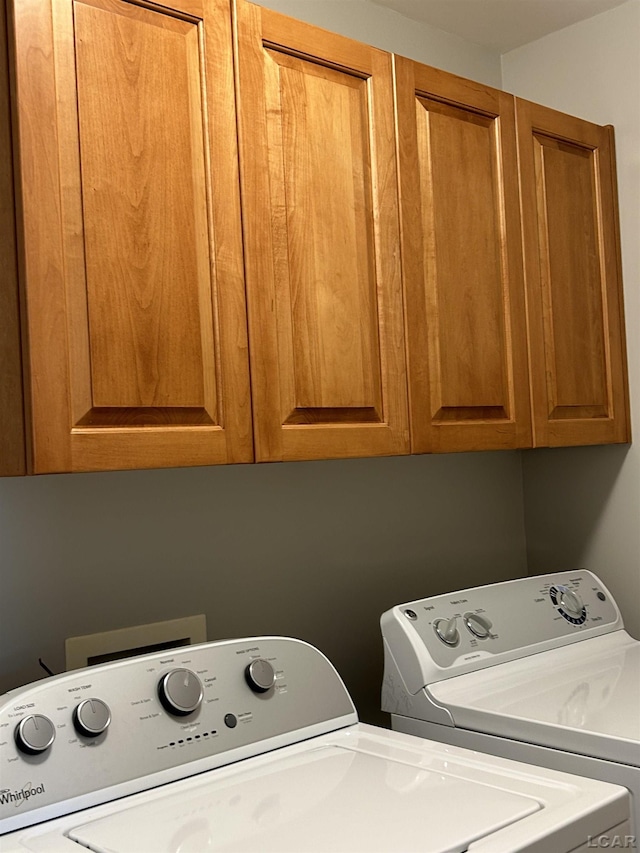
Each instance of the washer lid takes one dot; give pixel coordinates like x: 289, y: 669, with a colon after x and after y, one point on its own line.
x: 583, y: 698
x: 306, y: 801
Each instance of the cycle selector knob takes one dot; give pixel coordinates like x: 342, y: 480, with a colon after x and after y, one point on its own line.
x: 478, y: 625
x: 91, y: 717
x: 570, y: 602
x: 260, y: 675
x: 35, y: 734
x: 180, y: 692
x: 447, y: 631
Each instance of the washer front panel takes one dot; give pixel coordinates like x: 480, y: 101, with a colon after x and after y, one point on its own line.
x: 144, y: 744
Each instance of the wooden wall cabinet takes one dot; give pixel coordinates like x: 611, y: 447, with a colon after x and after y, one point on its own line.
x: 488, y: 369
x: 134, y: 316
x: 579, y: 385
x: 134, y: 299
x: 230, y: 242
x: 320, y: 216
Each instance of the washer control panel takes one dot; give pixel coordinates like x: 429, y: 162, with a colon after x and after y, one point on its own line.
x: 133, y: 724
x: 466, y: 630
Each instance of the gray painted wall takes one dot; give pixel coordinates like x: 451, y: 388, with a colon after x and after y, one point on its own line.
x: 316, y: 550
x: 582, y: 505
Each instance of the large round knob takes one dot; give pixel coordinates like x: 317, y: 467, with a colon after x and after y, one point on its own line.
x: 180, y: 692
x: 35, y: 734
x: 91, y: 717
x: 570, y: 602
x: 447, y: 631
x: 260, y: 675
x: 479, y: 625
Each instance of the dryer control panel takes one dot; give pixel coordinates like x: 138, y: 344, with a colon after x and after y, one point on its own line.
x: 94, y: 734
x: 450, y: 634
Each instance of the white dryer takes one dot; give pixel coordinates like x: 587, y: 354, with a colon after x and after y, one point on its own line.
x: 538, y: 669
x: 254, y: 745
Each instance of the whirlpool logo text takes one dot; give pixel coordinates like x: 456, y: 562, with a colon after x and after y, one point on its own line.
x: 18, y: 798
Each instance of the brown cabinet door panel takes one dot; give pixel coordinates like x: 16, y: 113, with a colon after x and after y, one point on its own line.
x: 576, y: 322
x: 462, y: 263
x: 133, y: 256
x: 321, y: 238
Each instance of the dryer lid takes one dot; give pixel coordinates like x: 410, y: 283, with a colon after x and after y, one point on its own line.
x: 306, y: 801
x: 583, y: 698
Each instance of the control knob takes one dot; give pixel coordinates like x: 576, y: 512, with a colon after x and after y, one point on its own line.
x: 180, y: 692
x: 91, y: 717
x: 35, y: 734
x: 479, y: 625
x: 447, y: 631
x: 570, y: 602
x: 260, y: 675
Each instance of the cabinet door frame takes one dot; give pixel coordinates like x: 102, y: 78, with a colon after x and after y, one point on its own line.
x: 284, y: 428
x: 604, y: 421
x: 13, y: 460
x: 441, y: 419
x: 66, y: 433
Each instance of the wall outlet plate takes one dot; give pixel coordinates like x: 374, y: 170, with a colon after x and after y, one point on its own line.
x: 92, y: 649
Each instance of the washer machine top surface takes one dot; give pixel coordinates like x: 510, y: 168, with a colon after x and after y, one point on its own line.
x: 583, y: 698
x: 360, y: 789
x: 305, y: 801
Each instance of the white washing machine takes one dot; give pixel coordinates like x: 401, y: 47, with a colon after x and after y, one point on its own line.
x: 254, y: 745
x: 538, y: 669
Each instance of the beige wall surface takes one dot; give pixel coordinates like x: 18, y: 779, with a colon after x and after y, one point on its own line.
x: 582, y: 505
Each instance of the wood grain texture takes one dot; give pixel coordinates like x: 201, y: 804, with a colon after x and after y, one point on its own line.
x: 144, y: 201
x: 135, y: 281
x: 462, y: 263
x: 43, y: 262
x: 320, y: 218
x: 579, y: 384
x: 12, y: 428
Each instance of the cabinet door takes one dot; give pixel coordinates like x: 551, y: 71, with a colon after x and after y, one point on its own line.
x: 132, y: 238
x: 574, y: 290
x: 462, y: 263
x: 320, y: 216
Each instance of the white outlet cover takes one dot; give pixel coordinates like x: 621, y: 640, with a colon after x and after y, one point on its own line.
x: 189, y: 630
